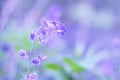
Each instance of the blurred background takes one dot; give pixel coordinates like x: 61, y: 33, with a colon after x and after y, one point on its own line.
x: 89, y: 50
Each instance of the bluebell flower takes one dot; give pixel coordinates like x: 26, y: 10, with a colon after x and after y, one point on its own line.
x: 49, y: 28
x: 32, y: 36
x: 22, y: 54
x: 32, y: 76
x: 38, y: 59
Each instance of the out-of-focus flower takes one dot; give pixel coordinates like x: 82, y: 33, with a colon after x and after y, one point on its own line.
x: 32, y: 76
x: 22, y: 54
x: 37, y: 60
x: 49, y: 28
x: 116, y: 43
x: 54, y: 12
x: 106, y: 67
x: 5, y: 47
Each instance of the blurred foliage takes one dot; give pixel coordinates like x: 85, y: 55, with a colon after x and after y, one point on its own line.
x: 74, y: 66
x: 54, y: 66
x: 60, y: 69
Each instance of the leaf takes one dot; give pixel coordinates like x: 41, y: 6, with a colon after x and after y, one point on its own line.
x: 54, y: 66
x: 60, y: 69
x: 74, y: 66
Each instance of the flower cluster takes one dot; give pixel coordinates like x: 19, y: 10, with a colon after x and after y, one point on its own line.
x: 22, y: 54
x: 47, y: 28
x: 31, y: 76
x: 36, y: 61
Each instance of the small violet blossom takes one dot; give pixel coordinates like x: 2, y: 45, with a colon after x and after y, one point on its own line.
x: 22, y: 54
x: 32, y: 76
x: 37, y: 60
x: 32, y: 36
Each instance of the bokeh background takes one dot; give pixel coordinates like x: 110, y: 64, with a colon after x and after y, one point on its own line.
x: 89, y: 50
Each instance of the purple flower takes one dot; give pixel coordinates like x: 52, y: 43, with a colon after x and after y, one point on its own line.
x: 41, y: 57
x: 32, y: 36
x: 60, y: 28
x: 116, y: 43
x: 22, y: 54
x: 48, y: 28
x: 55, y: 26
x: 32, y: 76
x: 42, y: 40
x: 37, y: 60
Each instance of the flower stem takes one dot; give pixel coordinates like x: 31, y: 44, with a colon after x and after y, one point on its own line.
x: 29, y: 59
